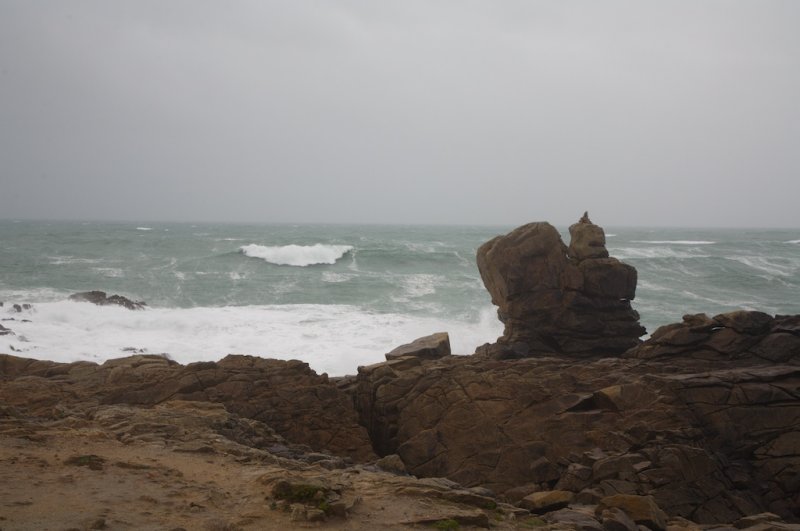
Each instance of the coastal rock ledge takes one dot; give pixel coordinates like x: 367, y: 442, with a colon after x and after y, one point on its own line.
x: 554, y: 299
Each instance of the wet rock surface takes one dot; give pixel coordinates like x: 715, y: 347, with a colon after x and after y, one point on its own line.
x: 101, y: 299
x: 607, y: 427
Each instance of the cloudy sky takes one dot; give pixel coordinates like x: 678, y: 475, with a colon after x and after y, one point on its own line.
x: 679, y: 113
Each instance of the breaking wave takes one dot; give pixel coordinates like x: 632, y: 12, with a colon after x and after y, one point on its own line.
x: 297, y: 255
x: 676, y: 242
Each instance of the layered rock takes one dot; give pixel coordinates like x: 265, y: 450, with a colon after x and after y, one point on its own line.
x: 725, y: 337
x: 710, y: 441
x: 300, y: 405
x: 556, y: 299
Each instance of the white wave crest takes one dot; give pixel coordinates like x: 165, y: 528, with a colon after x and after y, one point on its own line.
x: 144, y: 228
x: 676, y: 242
x: 765, y: 265
x: 624, y: 253
x: 297, y: 255
x: 793, y: 241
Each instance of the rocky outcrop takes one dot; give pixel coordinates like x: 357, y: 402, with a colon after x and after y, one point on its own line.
x: 300, y: 405
x: 100, y: 298
x: 711, y: 442
x: 555, y: 299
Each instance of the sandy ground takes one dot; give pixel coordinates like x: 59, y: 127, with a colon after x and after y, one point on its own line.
x: 85, y: 479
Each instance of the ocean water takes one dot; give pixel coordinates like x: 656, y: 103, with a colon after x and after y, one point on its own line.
x: 335, y: 296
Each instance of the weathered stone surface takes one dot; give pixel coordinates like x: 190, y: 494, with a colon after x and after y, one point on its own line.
x: 553, y: 299
x: 100, y: 298
x: 641, y: 509
x: 429, y: 347
x: 691, y: 434
x: 300, y: 405
x: 544, y: 502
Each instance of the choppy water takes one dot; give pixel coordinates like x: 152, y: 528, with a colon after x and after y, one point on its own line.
x: 335, y: 296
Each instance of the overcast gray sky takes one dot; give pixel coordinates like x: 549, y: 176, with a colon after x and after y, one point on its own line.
x: 480, y: 112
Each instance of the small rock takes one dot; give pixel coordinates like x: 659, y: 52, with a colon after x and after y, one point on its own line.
x: 298, y: 512
x: 615, y: 519
x: 392, y: 463
x: 543, y: 502
x: 575, y: 519
x: 641, y: 509
x: 430, y: 347
x: 315, y: 515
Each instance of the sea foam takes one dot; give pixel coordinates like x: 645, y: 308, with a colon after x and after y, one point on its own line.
x: 331, y: 338
x: 297, y: 255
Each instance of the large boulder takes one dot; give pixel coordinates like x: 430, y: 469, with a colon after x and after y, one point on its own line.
x: 101, y: 299
x: 556, y: 299
x: 429, y: 347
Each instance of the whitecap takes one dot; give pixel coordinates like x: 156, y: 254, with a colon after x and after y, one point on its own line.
x: 624, y: 253
x: 419, y: 285
x: 297, y: 255
x: 62, y: 260
x: 676, y: 242
x: 335, y: 278
x: 110, y: 272
x: 793, y: 241
x: 144, y: 228
x: 763, y: 264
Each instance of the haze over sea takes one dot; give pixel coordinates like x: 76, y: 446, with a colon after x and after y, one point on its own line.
x: 335, y: 296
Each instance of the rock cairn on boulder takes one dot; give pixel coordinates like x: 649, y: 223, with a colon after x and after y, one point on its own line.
x: 552, y: 298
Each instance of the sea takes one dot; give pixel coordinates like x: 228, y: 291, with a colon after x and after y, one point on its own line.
x: 334, y: 296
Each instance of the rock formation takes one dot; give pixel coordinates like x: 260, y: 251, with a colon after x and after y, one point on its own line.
x: 300, y: 405
x: 555, y: 299
x: 709, y: 438
x: 100, y: 298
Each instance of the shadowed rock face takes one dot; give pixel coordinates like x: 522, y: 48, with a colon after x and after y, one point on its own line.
x: 556, y: 299
x: 709, y: 438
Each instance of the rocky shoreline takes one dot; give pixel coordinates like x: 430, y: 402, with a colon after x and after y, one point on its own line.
x: 568, y: 421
